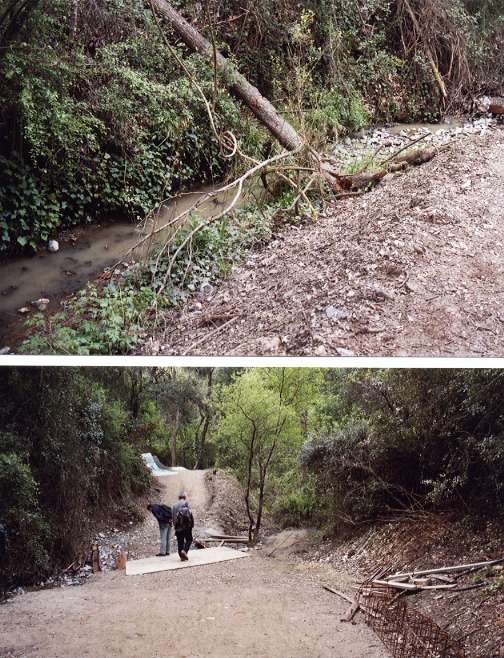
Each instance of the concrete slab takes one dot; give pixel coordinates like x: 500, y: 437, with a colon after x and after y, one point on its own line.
x: 157, y: 468
x: 197, y: 558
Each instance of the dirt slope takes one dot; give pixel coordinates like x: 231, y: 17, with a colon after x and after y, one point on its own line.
x: 255, y: 607
x: 416, y: 267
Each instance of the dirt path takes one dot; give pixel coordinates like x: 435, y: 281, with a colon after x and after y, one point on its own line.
x: 416, y: 267
x: 253, y: 607
x: 142, y: 540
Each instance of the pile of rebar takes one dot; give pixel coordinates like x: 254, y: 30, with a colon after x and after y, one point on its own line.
x: 406, y: 632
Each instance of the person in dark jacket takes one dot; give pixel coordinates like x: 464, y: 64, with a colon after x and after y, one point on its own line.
x: 183, y: 521
x: 163, y: 514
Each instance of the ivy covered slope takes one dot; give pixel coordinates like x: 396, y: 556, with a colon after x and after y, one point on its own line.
x: 97, y: 117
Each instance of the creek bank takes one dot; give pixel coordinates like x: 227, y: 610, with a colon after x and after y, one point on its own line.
x: 95, y: 252
x: 56, y: 285
x: 411, y: 268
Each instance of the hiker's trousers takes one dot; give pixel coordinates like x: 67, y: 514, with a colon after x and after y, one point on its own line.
x: 184, y: 540
x: 165, y: 537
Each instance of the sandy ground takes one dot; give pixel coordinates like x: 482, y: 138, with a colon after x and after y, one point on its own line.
x: 259, y: 607
x: 415, y: 267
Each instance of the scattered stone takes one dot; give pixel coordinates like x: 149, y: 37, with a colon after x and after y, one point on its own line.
x: 378, y: 294
x: 206, y: 289
x: 334, y: 313
x: 341, y: 351
x: 23, y: 310
x: 53, y: 246
x: 41, y: 304
x: 411, y: 286
x: 270, y: 344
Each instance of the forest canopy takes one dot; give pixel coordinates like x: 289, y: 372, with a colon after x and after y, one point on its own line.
x: 337, y: 449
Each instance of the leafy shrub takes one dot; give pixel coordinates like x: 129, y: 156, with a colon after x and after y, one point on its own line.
x: 89, y: 129
x: 409, y: 440
x: 66, y: 461
x: 295, y: 501
x: 20, y: 513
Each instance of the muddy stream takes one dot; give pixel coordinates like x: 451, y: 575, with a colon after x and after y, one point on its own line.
x: 84, y: 253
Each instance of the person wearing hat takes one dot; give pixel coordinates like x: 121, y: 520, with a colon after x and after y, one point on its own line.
x: 163, y: 515
x: 183, y: 522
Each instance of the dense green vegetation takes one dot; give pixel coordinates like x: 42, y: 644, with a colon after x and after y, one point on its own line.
x: 67, y: 458
x: 97, y: 117
x: 334, y: 448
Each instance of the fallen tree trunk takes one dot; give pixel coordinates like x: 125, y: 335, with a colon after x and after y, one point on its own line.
x: 237, y: 83
x: 415, y: 158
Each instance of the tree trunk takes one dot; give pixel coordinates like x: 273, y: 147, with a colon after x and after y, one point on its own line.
x: 237, y: 83
x: 260, y: 507
x: 173, y: 439
x: 205, y: 419
x: 250, y: 463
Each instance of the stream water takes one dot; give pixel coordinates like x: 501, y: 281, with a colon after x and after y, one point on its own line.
x: 84, y: 253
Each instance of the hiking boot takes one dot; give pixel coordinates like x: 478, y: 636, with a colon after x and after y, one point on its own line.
x: 183, y: 556
x: 160, y: 554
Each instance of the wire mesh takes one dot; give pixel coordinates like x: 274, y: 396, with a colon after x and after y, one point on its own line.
x: 406, y: 632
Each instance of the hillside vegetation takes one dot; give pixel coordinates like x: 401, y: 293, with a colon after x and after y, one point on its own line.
x: 337, y: 449
x: 98, y: 118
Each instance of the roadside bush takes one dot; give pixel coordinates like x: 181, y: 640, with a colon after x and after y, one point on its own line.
x: 295, y: 503
x: 66, y: 461
x: 20, y: 513
x: 411, y: 440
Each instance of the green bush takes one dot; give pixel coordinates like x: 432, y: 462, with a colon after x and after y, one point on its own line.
x: 295, y: 502
x: 20, y: 513
x: 97, y: 130
x: 402, y: 440
x: 67, y: 460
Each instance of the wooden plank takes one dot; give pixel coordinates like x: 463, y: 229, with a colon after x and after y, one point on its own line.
x: 458, y: 567
x: 338, y: 593
x: 396, y: 585
x: 197, y: 558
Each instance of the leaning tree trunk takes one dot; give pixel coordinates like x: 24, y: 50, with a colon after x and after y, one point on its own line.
x: 173, y: 439
x: 237, y: 83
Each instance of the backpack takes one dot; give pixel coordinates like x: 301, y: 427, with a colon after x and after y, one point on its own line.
x: 184, y: 520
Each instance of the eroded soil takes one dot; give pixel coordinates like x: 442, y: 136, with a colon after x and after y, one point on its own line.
x: 472, y: 617
x: 415, y: 267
